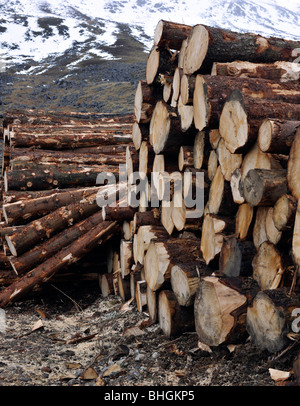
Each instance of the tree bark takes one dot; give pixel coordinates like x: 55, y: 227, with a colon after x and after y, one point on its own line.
x: 270, y: 332
x: 262, y: 187
x: 170, y: 34
x: 220, y: 308
x: 208, y: 44
x: 277, y: 136
x: 279, y: 71
x: 173, y: 318
x: 66, y: 256
x: 236, y: 257
x: 242, y: 116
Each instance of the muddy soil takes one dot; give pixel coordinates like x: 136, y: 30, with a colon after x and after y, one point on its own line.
x: 71, y: 336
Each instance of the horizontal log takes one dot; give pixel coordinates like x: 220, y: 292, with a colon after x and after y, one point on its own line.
x: 66, y: 256
x: 170, y: 34
x: 277, y: 136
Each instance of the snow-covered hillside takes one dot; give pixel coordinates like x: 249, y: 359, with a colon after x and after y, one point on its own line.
x: 38, y: 30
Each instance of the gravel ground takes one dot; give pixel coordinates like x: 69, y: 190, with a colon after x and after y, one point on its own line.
x: 66, y: 336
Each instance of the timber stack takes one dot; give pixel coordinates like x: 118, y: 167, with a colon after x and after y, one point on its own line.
x: 216, y: 118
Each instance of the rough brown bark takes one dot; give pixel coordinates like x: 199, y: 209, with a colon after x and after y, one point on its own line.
x: 278, y: 71
x: 66, y: 256
x: 170, y: 34
x: 262, y: 187
x: 236, y: 257
x: 208, y: 44
x: 277, y: 136
x: 220, y: 308
x: 270, y: 333
x: 174, y: 319
x: 242, y: 116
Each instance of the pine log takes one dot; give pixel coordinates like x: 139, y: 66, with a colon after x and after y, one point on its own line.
x: 212, y: 166
x: 284, y: 212
x: 220, y: 199
x: 211, y: 92
x: 279, y: 71
x: 146, y: 158
x: 161, y: 61
x: 268, y: 266
x: 161, y: 256
x: 185, y: 278
x: 51, y: 178
x: 106, y: 284
x: 220, y: 309
x: 144, y: 101
x: 28, y: 209
x: 273, y: 234
x: 145, y: 235
x: 211, y: 242
x: 270, y: 318
x: 136, y: 274
x: 47, y: 226
x: 236, y: 257
x: 236, y: 185
x: 293, y: 166
x: 296, y: 239
x: 150, y: 217
x: 242, y: 116
x: 228, y: 162
x: 65, y: 140
x: 201, y: 150
x: 170, y: 34
x: 208, y: 44
x: 176, y: 85
x: 141, y: 295
x: 140, y: 132
x: 166, y: 135
x: 262, y: 187
x: 259, y: 234
x: 50, y: 247
x: 124, y: 287
x: 186, y: 115
x: 66, y: 256
x: 173, y: 318
x: 126, y: 257
x: 277, y: 136
x: 152, y: 304
x: 187, y: 88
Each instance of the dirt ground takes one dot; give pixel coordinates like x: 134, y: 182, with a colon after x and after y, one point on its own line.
x: 71, y: 336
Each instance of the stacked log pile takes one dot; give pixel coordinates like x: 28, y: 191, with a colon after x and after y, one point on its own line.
x: 217, y: 118
x: 226, y: 105
x: 51, y: 223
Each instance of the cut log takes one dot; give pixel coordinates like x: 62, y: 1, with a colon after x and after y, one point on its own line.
x: 150, y: 217
x: 277, y: 136
x: 126, y: 257
x: 186, y: 115
x: 210, y: 246
x: 141, y: 295
x: 294, y: 166
x: 176, y: 85
x: 259, y: 233
x: 262, y: 187
x: 161, y: 61
x: 145, y: 235
x: 242, y: 116
x: 136, y: 274
x: 66, y: 256
x: 50, y: 247
x: 236, y: 185
x: 296, y: 239
x: 51, y: 178
x: 173, y: 318
x: 166, y: 135
x: 220, y: 199
x: 52, y: 223
x: 152, y: 304
x: 187, y: 87
x: 144, y: 102
x: 236, y: 257
x: 208, y: 44
x: 228, y: 162
x: 201, y: 150
x: 279, y: 71
x: 284, y: 212
x: 170, y: 34
x: 220, y: 309
x: 185, y: 278
x: 166, y: 216
x: 106, y: 284
x: 28, y: 209
x: 273, y: 234
x: 256, y: 159
x: 161, y: 256
x: 124, y: 287
x: 268, y: 266
x: 270, y: 333
x: 212, y: 165
x: 140, y: 132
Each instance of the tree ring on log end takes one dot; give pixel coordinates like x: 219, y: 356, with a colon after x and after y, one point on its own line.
x: 159, y: 127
